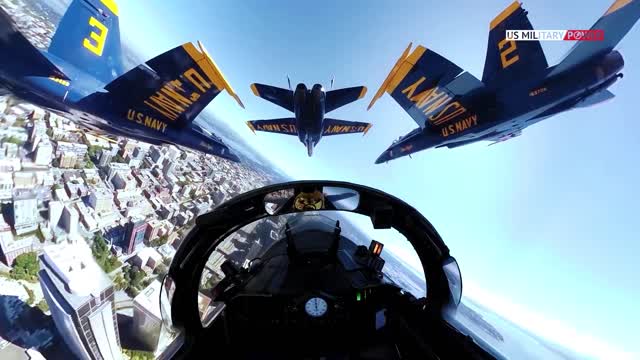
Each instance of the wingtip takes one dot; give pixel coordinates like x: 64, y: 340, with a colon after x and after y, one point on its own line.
x: 385, y: 84
x: 366, y: 130
x: 235, y: 96
x: 363, y: 92
x: 254, y: 89
x: 250, y: 125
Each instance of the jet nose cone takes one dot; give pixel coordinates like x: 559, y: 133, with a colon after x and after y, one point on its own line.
x: 384, y: 157
x: 310, y: 148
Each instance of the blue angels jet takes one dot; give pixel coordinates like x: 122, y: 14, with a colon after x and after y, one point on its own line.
x: 82, y: 76
x: 309, y: 107
x: 453, y: 108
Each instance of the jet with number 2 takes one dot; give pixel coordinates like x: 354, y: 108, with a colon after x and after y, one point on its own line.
x: 309, y: 107
x: 453, y: 108
x: 82, y: 76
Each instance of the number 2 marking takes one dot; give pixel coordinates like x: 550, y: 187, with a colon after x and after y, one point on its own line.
x: 98, y: 37
x: 505, y: 52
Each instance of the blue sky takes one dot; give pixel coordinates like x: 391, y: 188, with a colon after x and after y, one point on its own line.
x: 544, y: 226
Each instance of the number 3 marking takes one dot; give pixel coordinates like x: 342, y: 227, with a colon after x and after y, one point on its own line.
x: 97, y: 37
x: 504, y: 53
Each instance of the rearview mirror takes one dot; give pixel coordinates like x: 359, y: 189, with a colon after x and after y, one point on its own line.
x: 454, y: 278
x: 342, y: 198
x: 274, y: 201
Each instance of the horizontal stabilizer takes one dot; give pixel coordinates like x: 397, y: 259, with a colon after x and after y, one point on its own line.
x: 32, y: 62
x: 597, y: 98
x: 276, y: 95
x: 341, y: 97
x: 285, y: 126
x: 339, y: 127
x: 615, y: 23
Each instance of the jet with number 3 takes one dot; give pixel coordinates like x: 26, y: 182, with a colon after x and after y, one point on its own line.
x: 453, y: 108
x: 81, y: 76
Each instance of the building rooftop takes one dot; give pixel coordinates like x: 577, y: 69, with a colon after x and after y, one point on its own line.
x: 149, y: 299
x: 148, y: 252
x: 9, y: 244
x: 74, y: 272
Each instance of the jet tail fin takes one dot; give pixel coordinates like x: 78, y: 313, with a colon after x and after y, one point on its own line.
x: 509, y: 60
x: 88, y: 37
x: 32, y: 62
x: 615, y: 24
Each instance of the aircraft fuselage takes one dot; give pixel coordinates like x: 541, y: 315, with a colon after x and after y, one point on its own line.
x: 510, y: 109
x: 309, y: 110
x: 85, y: 100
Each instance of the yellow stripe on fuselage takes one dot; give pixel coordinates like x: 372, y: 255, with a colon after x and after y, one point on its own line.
x: 504, y: 14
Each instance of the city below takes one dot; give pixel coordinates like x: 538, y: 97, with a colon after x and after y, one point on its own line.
x: 89, y: 226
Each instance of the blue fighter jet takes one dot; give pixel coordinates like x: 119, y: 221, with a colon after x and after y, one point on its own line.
x: 81, y: 76
x: 309, y: 107
x: 453, y: 108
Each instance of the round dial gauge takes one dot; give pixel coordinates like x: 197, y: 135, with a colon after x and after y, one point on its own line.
x: 316, y: 307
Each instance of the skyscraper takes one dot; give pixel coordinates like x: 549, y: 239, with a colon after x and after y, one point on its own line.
x: 134, y: 235
x: 25, y: 213
x: 105, y: 157
x: 81, y: 299
x: 147, y: 321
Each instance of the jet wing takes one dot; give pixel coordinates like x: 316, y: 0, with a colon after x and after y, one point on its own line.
x: 341, y: 97
x: 285, y: 126
x: 276, y: 95
x: 615, y: 23
x: 339, y: 127
x: 172, y: 88
x: 431, y: 89
x: 27, y: 57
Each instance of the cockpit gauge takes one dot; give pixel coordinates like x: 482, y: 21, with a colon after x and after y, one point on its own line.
x: 316, y: 307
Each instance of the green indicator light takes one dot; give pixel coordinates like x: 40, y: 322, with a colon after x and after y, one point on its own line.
x: 358, y: 296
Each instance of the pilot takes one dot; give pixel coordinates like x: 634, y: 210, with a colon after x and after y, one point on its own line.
x: 309, y: 199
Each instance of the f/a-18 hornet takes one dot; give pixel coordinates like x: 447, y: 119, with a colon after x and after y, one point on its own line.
x: 453, y: 108
x: 309, y: 107
x: 81, y: 76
